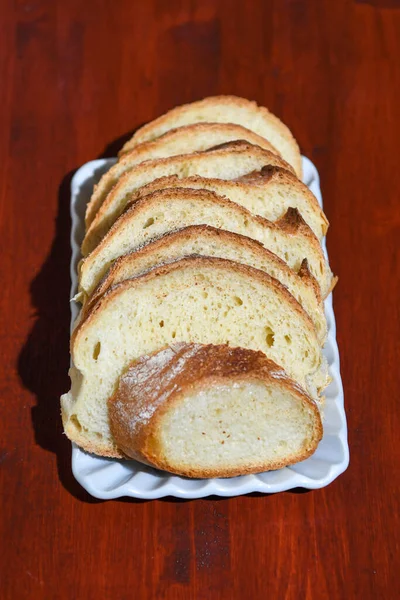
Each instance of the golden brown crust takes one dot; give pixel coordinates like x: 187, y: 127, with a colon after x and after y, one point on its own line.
x: 283, y: 164
x: 241, y: 132
x: 154, y: 383
x: 294, y: 224
x: 187, y: 264
x: 145, y: 132
x: 97, y: 227
x: 258, y: 178
x: 305, y: 274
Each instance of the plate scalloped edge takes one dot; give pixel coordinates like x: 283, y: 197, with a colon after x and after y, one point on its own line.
x: 110, y: 478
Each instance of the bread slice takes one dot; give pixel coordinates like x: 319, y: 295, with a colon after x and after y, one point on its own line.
x: 268, y: 193
x: 185, y: 140
x: 199, y: 300
x: 225, y: 109
x: 212, y: 411
x: 228, y: 161
x: 166, y: 210
x: 203, y: 240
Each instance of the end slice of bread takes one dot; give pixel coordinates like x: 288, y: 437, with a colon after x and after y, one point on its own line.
x: 212, y: 411
x: 185, y: 140
x: 203, y: 240
x: 152, y: 216
x: 268, y: 193
x: 228, y: 161
x: 225, y: 109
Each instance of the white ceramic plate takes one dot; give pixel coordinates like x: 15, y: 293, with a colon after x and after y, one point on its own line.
x: 110, y: 478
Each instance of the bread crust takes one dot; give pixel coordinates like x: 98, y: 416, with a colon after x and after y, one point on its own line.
x: 291, y: 223
x: 148, y: 131
x: 241, y: 132
x: 98, y: 226
x: 155, y: 383
x: 305, y: 274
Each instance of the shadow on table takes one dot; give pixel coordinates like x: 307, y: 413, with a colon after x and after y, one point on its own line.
x: 44, y: 359
x: 173, y: 500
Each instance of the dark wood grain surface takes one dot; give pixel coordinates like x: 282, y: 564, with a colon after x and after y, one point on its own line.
x: 75, y: 78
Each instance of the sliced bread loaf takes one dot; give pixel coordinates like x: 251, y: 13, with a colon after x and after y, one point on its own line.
x: 212, y: 411
x: 166, y: 210
x: 200, y: 300
x: 203, y: 240
x: 229, y: 161
x: 185, y: 140
x: 225, y: 109
x: 268, y: 193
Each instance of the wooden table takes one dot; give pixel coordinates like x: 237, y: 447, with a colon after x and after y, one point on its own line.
x: 76, y: 77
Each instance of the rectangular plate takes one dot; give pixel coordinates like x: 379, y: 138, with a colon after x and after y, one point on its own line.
x: 111, y: 478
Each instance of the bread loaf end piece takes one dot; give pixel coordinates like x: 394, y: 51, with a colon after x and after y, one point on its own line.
x: 212, y: 411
